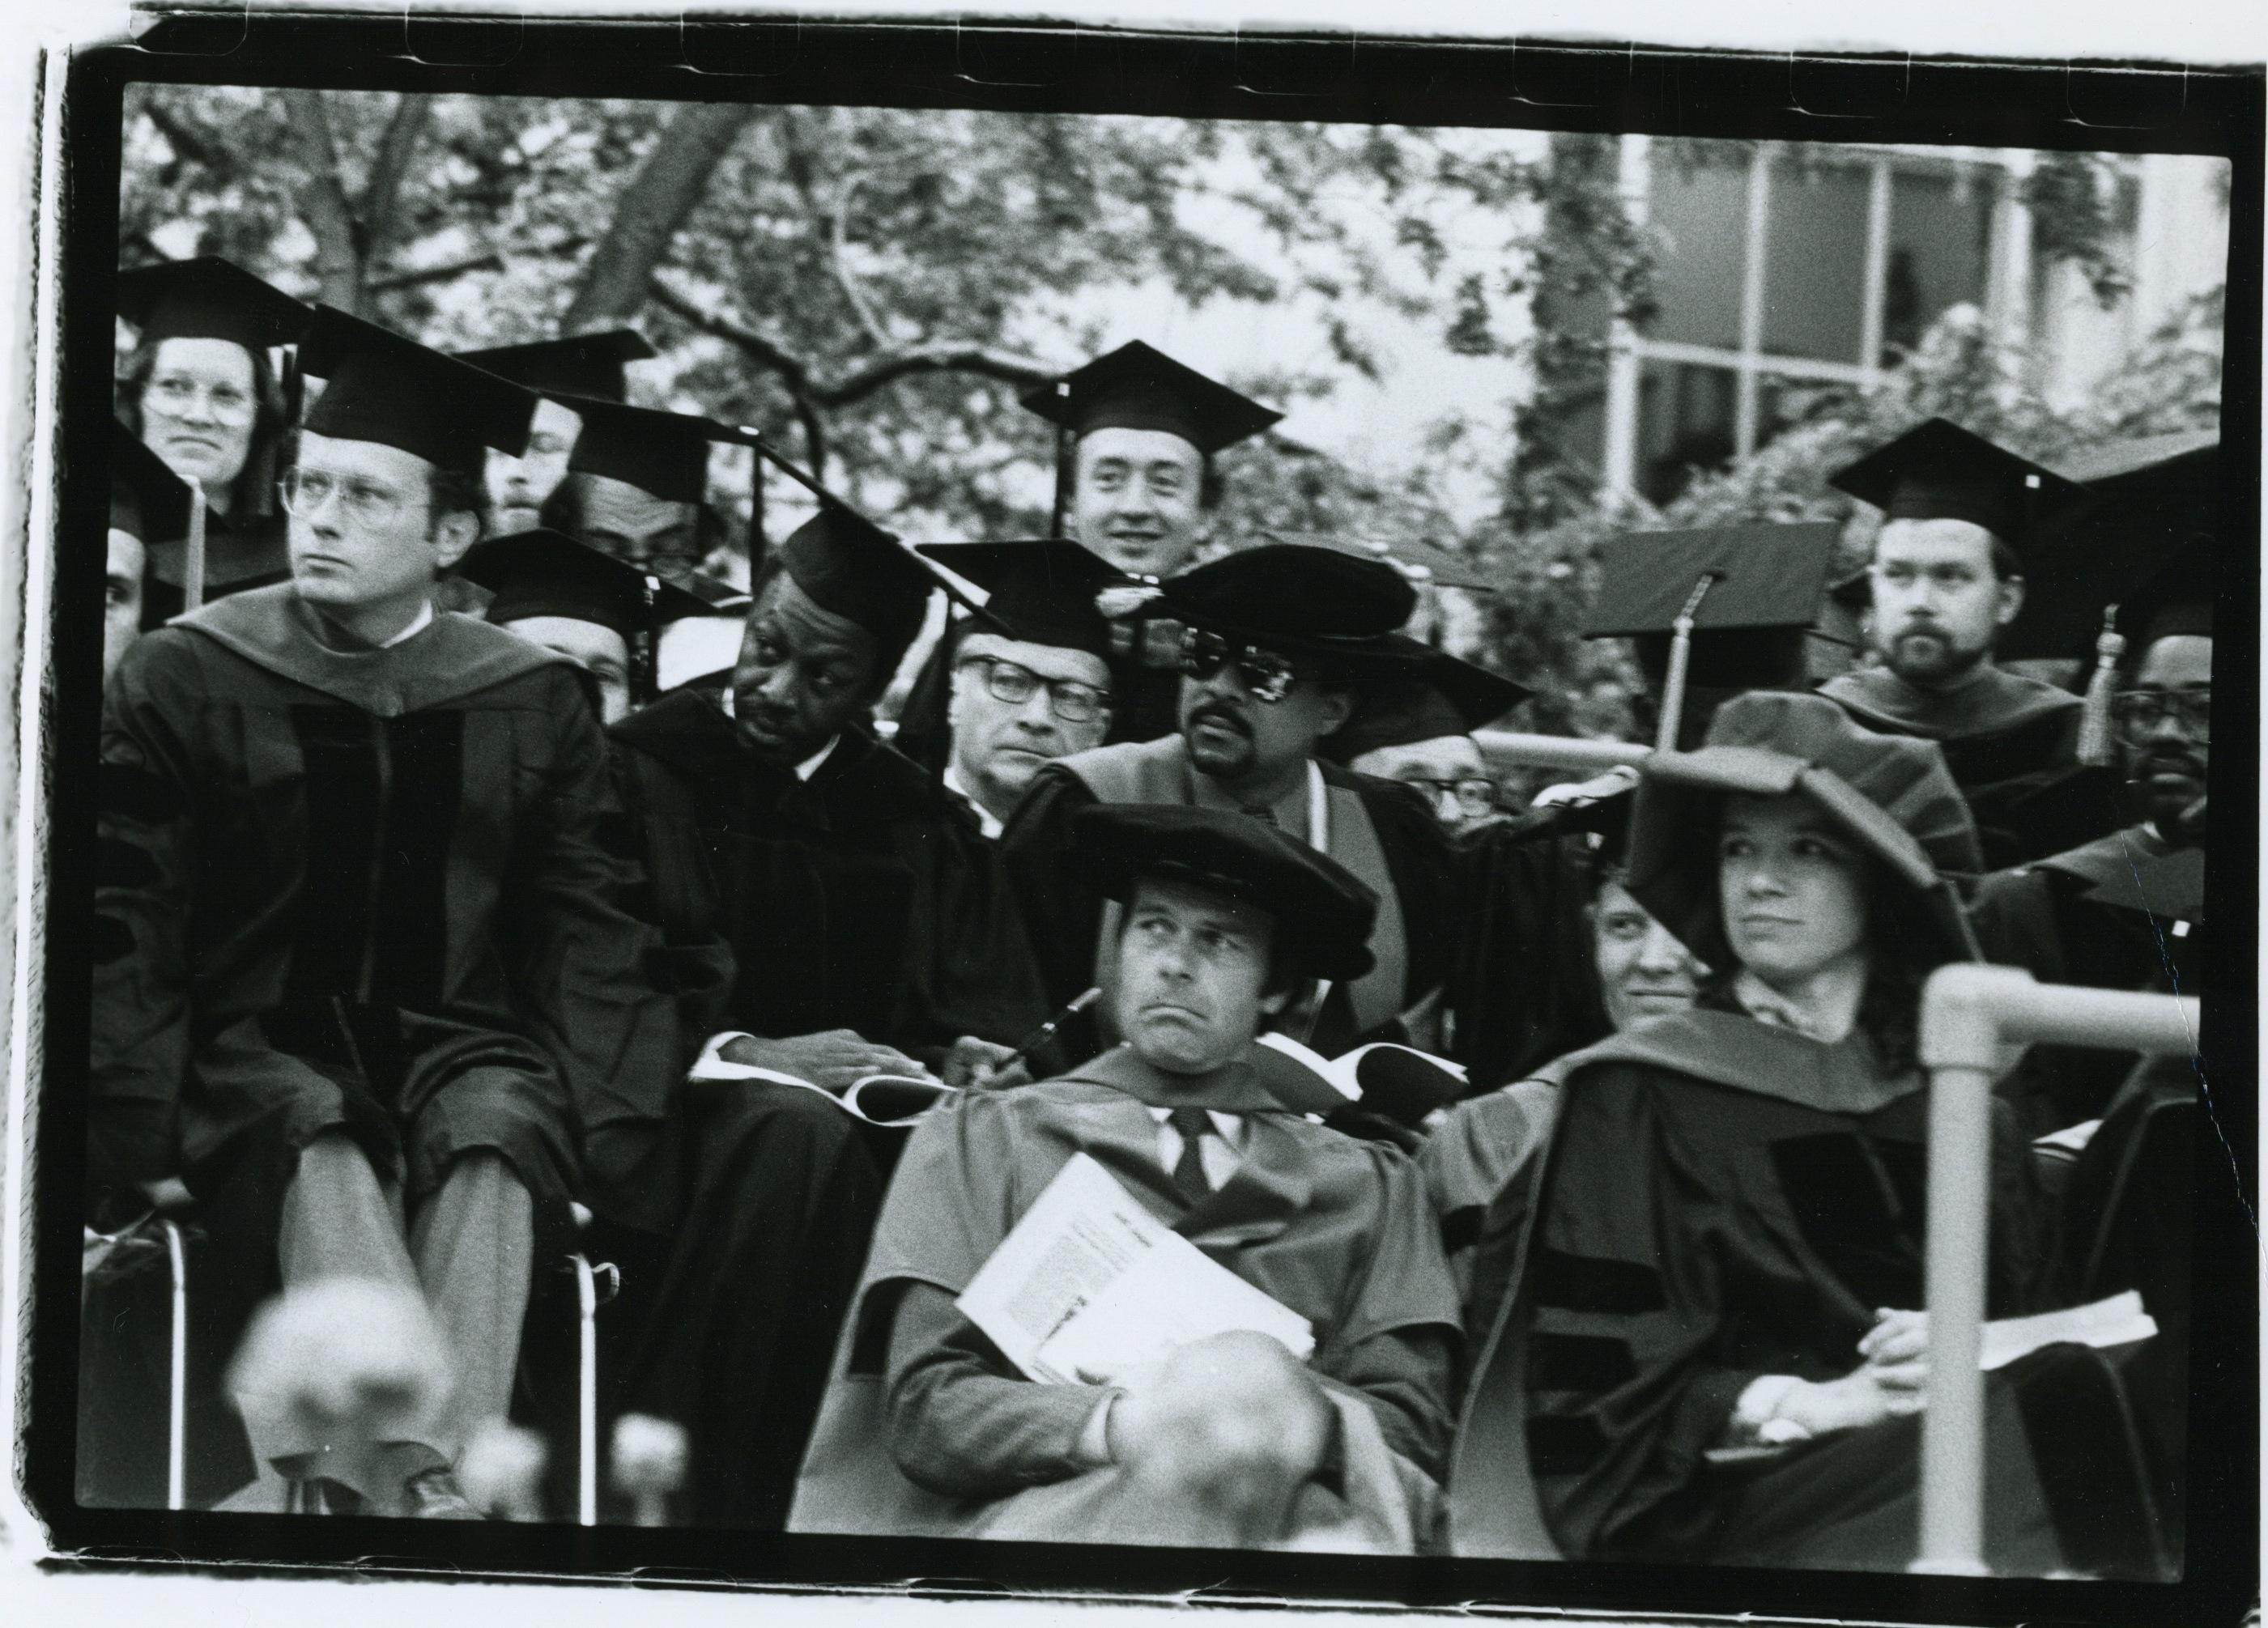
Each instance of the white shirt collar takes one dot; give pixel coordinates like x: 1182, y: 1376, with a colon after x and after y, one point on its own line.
x: 809, y: 767
x: 1229, y: 1127
x: 418, y: 624
x: 988, y: 823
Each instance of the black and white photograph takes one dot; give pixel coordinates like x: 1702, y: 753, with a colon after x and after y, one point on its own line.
x: 862, y: 823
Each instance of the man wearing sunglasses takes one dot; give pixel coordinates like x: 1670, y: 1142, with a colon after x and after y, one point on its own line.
x: 2039, y: 915
x: 1281, y: 640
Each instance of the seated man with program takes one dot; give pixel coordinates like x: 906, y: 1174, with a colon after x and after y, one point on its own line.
x: 1230, y: 1440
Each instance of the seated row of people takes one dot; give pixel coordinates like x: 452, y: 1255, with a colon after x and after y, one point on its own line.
x: 462, y: 951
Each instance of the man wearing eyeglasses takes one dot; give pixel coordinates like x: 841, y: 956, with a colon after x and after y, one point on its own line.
x: 1031, y: 675
x: 360, y: 971
x: 1281, y: 640
x: 2039, y: 915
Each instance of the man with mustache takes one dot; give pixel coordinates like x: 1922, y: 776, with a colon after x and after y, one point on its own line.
x: 829, y: 913
x: 1278, y: 641
x: 1228, y: 1442
x: 1136, y: 435
x: 361, y: 982
x: 590, y: 365
x: 1946, y: 578
x: 2040, y: 916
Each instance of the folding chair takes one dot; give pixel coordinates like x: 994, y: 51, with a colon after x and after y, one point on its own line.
x: 167, y: 1227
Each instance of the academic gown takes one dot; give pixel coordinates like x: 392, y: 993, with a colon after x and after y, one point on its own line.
x: 1381, y: 831
x: 242, y: 553
x: 1523, y: 980
x: 1146, y: 690
x: 863, y: 899
x: 354, y: 890
x: 2010, y: 743
x: 2037, y: 917
x: 1722, y: 1200
x: 945, y: 1438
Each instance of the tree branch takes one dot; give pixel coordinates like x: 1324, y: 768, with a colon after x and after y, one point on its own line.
x: 323, y: 205
x: 418, y: 277
x: 410, y: 115
x: 938, y: 357
x: 838, y: 240
x: 654, y: 204
x: 187, y: 144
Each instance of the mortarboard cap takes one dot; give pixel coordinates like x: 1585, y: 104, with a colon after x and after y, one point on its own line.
x: 1043, y: 592
x: 1299, y: 598
x: 1749, y: 631
x: 1445, y: 696
x: 847, y: 564
x: 1136, y: 387
x: 209, y: 297
x: 2175, y: 598
x: 2152, y: 500
x: 585, y: 364
x: 547, y: 573
x: 1322, y: 912
x: 1938, y: 470
x: 1426, y: 564
x: 664, y: 453
x: 392, y: 390
x: 147, y: 499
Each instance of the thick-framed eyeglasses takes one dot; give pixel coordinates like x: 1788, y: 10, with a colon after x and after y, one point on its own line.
x: 362, y: 500
x: 1266, y: 675
x: 1068, y: 699
x: 176, y: 396
x: 1476, y: 794
x: 2136, y: 714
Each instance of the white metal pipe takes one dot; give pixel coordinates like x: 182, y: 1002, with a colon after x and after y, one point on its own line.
x: 1624, y: 380
x: 1876, y: 279
x: 177, y: 1400
x: 1561, y: 751
x: 1969, y: 1011
x: 1952, y: 1429
x: 586, y: 1399
x: 1747, y: 408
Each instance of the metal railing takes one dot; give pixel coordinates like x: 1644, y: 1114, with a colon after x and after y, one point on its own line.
x: 1969, y: 1013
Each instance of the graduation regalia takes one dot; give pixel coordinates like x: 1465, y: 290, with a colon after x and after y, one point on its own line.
x: 862, y: 899
x: 1722, y: 1200
x: 1381, y: 832
x: 2039, y: 917
x: 415, y: 940
x: 2010, y: 743
x: 1335, y: 1228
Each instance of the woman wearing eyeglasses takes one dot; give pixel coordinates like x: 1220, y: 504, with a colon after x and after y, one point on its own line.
x: 200, y: 390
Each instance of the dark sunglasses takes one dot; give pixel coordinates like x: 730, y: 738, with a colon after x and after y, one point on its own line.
x: 1267, y: 675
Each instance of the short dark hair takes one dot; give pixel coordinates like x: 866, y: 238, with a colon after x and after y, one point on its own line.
x: 1284, y: 973
x: 888, y: 654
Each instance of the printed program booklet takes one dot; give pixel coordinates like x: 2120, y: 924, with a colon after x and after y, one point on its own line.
x: 1401, y: 1082
x: 899, y: 1101
x: 1090, y: 1288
